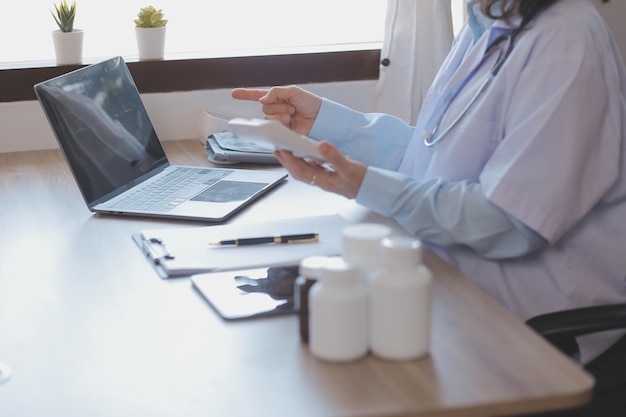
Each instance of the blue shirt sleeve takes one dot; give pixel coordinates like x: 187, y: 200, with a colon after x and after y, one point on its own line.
x: 374, y: 139
x: 448, y: 213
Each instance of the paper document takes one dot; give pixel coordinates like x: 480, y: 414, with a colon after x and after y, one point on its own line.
x: 184, y: 252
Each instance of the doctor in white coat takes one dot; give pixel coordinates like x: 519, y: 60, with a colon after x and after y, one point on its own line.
x: 514, y: 170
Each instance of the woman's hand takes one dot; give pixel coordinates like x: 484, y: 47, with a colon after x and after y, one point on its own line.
x: 344, y: 176
x: 297, y: 109
x: 292, y: 106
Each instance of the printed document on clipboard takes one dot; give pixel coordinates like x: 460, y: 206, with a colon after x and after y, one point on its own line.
x: 181, y: 252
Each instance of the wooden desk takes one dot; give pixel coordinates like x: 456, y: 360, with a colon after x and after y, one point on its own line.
x: 90, y: 330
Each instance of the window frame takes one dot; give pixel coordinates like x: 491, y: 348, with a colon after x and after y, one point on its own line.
x: 171, y: 75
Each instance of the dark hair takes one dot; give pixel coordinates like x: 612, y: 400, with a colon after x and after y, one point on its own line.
x: 527, y: 9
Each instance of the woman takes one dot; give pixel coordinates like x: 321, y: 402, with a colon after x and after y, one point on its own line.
x: 519, y: 180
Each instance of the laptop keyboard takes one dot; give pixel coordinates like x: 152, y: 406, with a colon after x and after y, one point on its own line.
x: 171, y: 189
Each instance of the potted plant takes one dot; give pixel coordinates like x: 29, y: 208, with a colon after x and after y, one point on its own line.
x: 150, y: 31
x: 68, y: 41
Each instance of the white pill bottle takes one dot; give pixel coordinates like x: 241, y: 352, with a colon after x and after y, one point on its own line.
x: 338, y: 313
x: 400, y: 302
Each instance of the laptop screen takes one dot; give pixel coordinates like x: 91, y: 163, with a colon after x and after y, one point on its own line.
x: 102, y: 127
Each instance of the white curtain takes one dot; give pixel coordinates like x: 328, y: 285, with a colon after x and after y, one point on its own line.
x: 418, y: 36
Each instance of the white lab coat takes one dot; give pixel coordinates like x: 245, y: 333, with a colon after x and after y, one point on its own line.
x: 546, y: 142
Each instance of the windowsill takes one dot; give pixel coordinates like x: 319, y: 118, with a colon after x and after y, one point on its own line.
x: 188, y: 72
x: 204, y: 55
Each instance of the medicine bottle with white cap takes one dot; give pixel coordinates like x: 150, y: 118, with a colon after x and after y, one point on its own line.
x: 338, y: 313
x: 400, y: 302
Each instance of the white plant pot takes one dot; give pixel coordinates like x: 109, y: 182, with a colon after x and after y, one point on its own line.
x: 150, y: 43
x: 68, y: 46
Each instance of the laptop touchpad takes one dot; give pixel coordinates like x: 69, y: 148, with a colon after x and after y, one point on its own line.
x: 226, y: 191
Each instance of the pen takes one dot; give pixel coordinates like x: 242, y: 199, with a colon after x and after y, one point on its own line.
x: 277, y: 240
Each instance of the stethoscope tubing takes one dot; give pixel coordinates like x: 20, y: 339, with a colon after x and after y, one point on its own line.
x: 432, y: 137
x: 428, y: 135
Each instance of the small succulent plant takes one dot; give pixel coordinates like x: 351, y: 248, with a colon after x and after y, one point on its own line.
x: 150, y: 17
x: 65, y: 15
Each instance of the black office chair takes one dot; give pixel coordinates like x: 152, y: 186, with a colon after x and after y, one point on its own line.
x: 561, y: 329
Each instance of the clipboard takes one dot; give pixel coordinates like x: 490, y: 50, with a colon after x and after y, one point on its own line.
x: 185, y: 252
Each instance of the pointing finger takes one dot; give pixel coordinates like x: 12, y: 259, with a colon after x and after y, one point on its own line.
x: 247, y: 94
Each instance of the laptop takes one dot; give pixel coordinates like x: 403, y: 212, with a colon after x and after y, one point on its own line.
x: 118, y: 162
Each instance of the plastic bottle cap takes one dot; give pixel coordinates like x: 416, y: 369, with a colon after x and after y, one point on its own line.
x: 338, y: 270
x: 310, y: 267
x: 362, y: 240
x: 402, y: 250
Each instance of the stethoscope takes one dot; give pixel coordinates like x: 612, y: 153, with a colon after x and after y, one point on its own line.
x: 431, y: 135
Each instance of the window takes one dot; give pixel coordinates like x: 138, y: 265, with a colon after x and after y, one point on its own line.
x: 458, y: 14
x: 216, y: 44
x: 197, y: 28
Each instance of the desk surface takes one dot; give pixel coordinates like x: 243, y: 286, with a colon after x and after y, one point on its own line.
x: 90, y: 329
